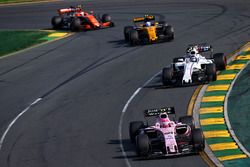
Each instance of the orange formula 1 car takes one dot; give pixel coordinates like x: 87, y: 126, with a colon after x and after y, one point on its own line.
x: 76, y: 19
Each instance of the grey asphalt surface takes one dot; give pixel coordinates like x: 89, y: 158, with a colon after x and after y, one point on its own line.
x: 85, y: 80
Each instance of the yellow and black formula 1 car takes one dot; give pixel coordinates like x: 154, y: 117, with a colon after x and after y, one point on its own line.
x: 147, y: 30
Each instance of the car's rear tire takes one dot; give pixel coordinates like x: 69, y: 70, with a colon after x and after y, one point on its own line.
x: 126, y: 32
x: 189, y: 120
x: 142, y: 145
x: 133, y: 37
x: 75, y: 24
x: 106, y: 18
x: 167, y: 75
x: 220, y: 61
x: 198, y: 140
x: 134, y: 128
x: 57, y: 22
x: 211, y: 72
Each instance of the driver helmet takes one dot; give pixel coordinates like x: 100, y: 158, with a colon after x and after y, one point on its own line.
x: 192, y: 51
x: 148, y: 24
x: 79, y: 6
x: 164, y: 120
x: 79, y: 11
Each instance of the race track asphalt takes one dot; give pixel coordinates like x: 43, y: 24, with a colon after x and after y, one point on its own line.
x: 86, y: 79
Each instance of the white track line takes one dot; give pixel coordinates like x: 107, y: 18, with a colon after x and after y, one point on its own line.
x: 120, y: 122
x: 123, y: 113
x: 14, y: 121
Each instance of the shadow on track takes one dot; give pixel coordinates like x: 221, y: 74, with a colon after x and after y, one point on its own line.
x: 156, y: 83
x: 127, y: 145
x: 130, y: 148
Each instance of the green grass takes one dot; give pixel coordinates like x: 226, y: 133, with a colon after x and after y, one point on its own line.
x: 12, y: 41
x: 17, y: 1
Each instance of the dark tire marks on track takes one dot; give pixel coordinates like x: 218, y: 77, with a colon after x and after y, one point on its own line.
x: 101, y: 61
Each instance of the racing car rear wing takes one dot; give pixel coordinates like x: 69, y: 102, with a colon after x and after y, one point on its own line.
x: 203, y: 47
x: 155, y: 112
x: 145, y: 18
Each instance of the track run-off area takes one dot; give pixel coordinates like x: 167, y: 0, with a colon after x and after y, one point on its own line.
x: 65, y: 100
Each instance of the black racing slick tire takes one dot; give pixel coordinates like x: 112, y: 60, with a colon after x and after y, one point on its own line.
x: 57, y: 22
x: 142, y: 145
x: 106, y: 18
x: 211, y: 72
x: 112, y: 24
x: 189, y: 120
x: 133, y: 37
x: 198, y: 140
x: 220, y: 61
x: 126, y: 32
x: 134, y: 128
x: 168, y: 31
x: 75, y: 24
x: 167, y: 75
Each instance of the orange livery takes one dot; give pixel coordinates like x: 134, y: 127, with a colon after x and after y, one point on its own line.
x: 76, y: 19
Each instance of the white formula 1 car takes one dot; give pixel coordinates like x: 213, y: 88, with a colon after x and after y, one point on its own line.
x: 165, y: 137
x: 193, y: 67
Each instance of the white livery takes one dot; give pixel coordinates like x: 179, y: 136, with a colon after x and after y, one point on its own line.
x: 193, y: 67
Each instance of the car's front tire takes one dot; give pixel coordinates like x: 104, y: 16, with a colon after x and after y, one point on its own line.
x: 112, y: 24
x: 142, y: 145
x: 198, y: 140
x: 126, y: 32
x: 167, y: 75
x: 133, y: 37
x: 168, y: 31
x: 211, y: 72
x: 220, y: 61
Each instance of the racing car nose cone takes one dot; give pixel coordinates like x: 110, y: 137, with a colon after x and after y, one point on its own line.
x: 186, y: 81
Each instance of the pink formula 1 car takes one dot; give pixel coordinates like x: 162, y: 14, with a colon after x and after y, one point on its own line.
x: 166, y: 137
